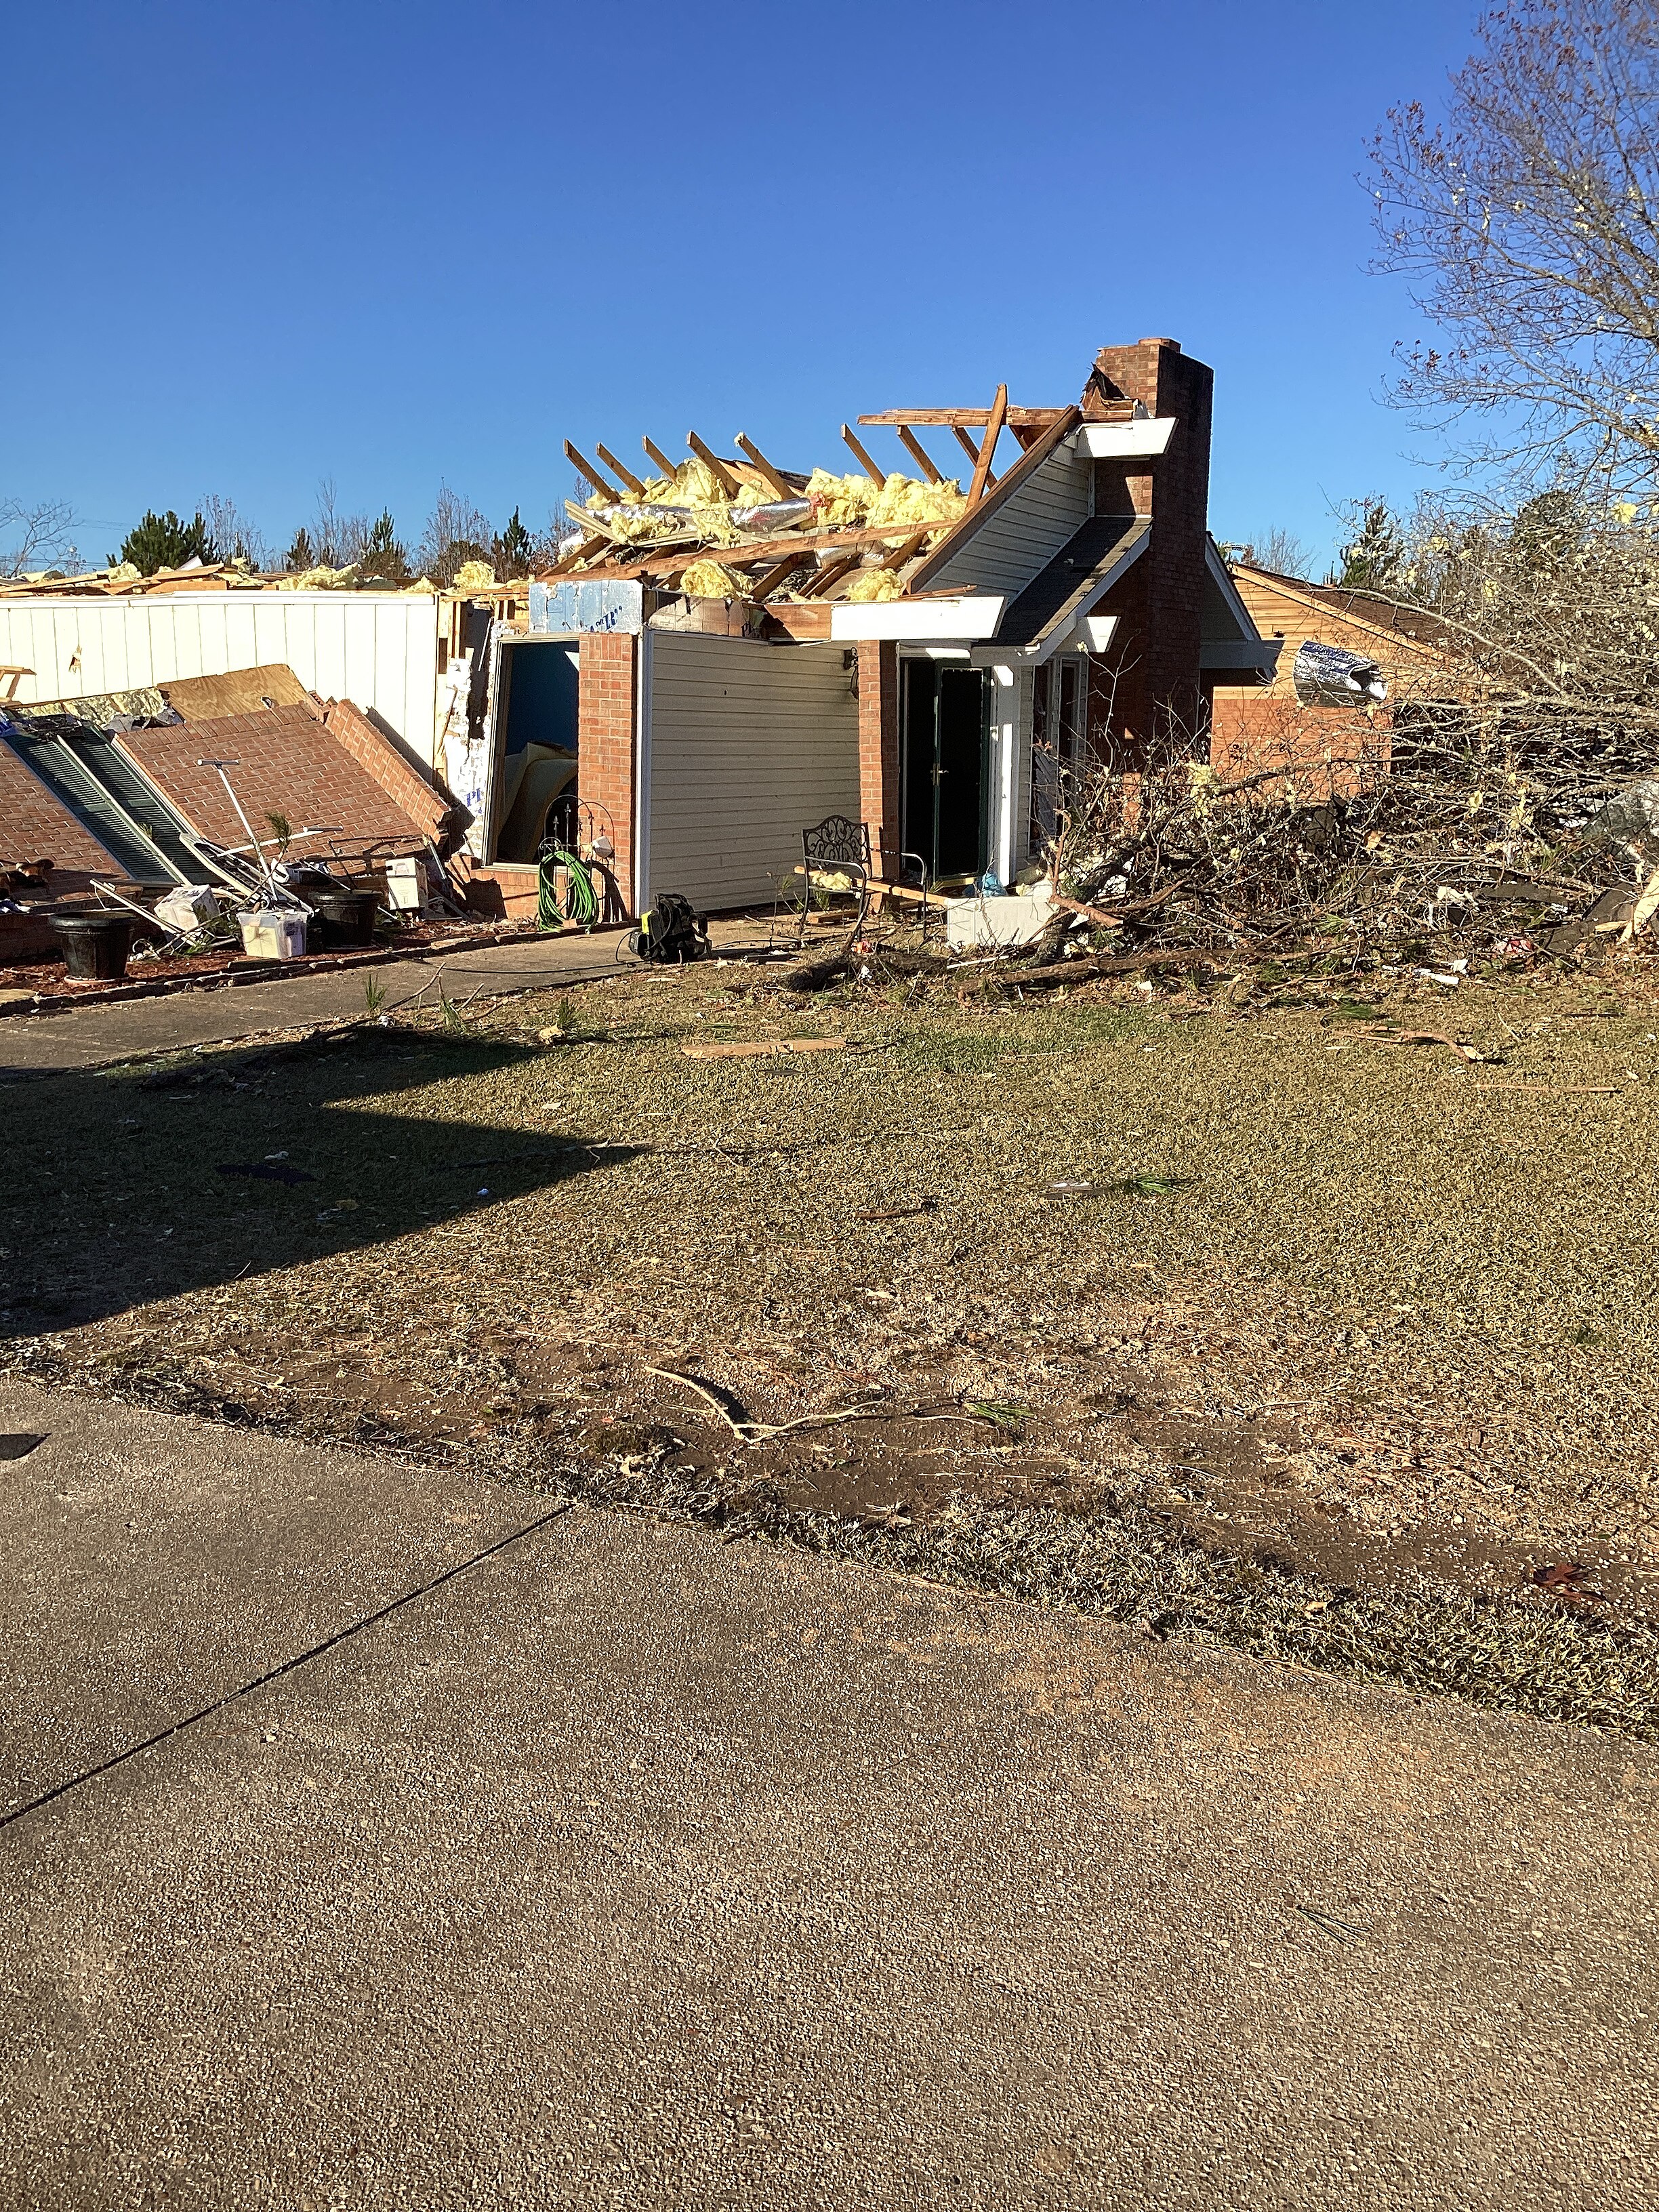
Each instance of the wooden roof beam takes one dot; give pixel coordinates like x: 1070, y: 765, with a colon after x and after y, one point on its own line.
x: 901, y: 554
x: 919, y: 453
x: 584, y: 467
x: 617, y: 469
x: 827, y: 578
x: 988, y: 445
x: 723, y: 476
x: 660, y: 460
x: 876, y: 475
x: 765, y: 583
x: 967, y: 418
x: 774, y: 482
x: 972, y: 452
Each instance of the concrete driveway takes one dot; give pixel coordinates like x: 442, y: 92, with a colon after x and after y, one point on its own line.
x: 626, y: 1867
x: 91, y: 1035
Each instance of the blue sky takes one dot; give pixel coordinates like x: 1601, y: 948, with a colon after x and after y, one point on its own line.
x: 246, y: 248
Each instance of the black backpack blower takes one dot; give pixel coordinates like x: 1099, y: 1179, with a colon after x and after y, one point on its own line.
x: 671, y: 931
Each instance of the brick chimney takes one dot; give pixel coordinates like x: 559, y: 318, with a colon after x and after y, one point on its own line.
x: 1158, y: 688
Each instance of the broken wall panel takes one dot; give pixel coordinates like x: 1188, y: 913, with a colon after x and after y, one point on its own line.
x: 35, y: 824
x: 287, y: 763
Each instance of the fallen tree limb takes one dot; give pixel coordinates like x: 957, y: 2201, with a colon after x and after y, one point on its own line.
x: 1121, y: 963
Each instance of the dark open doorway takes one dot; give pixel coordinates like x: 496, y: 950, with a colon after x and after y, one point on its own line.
x: 537, y: 718
x: 943, y: 740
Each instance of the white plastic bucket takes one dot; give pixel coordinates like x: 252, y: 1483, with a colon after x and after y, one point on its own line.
x: 270, y: 933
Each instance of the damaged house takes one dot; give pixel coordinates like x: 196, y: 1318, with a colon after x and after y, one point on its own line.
x: 729, y: 650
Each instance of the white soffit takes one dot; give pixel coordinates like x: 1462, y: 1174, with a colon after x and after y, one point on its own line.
x: 1147, y: 436
x: 958, y: 618
x: 1088, y: 634
x: 1260, y: 652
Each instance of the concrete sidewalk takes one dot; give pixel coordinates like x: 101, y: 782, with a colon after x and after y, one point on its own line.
x: 87, y: 1036
x: 625, y: 1868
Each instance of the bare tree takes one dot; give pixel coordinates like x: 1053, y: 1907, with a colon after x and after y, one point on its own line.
x: 38, y: 537
x: 234, y: 536
x: 1528, y: 224
x: 1282, y: 551
x: 456, y: 532
x: 339, y: 541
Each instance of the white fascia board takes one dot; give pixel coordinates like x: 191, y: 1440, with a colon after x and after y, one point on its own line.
x: 1087, y: 634
x: 1143, y: 439
x: 960, y: 619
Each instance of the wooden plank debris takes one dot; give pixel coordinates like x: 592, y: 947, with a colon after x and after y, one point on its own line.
x: 660, y: 460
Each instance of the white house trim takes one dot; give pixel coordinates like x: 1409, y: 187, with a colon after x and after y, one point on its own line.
x: 965, y: 618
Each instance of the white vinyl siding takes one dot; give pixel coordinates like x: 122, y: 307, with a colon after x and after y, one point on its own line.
x: 750, y: 744
x: 378, y: 649
x: 1025, y: 532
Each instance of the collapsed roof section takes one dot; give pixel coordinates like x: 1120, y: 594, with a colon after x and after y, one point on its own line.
x: 879, y: 553
x: 127, y: 783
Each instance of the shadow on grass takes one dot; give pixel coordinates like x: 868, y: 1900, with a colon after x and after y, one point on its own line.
x: 133, y: 1185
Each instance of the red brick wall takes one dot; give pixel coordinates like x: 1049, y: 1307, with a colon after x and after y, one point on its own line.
x: 604, y: 741
x: 1176, y: 492
x: 1325, y: 752
x: 34, y: 826
x: 376, y: 753
x: 878, y: 747
x: 1119, y: 696
x: 288, y: 763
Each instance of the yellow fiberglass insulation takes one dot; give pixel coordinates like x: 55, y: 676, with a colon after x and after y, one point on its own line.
x: 870, y: 584
x: 847, y: 502
x: 694, y: 485
x: 841, y: 502
x: 905, y: 499
x: 474, y: 577
x: 319, y: 580
x: 709, y: 580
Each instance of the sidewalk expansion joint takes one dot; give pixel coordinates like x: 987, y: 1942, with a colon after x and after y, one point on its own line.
x: 288, y: 1666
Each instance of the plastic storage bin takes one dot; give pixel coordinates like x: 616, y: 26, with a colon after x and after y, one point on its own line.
x: 271, y: 933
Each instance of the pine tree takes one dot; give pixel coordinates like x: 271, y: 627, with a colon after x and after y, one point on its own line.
x: 513, y: 548
x: 301, y: 554
x: 1372, y: 558
x: 162, y: 541
x: 384, y: 556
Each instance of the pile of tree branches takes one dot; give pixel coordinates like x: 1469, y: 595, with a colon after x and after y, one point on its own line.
x: 1508, y: 790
